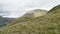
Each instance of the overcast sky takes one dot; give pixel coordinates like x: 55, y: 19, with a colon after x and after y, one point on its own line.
x: 16, y: 8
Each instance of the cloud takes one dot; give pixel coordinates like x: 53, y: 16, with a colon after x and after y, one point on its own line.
x: 16, y: 8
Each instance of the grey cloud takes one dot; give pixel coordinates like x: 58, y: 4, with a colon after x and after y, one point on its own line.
x: 4, y: 13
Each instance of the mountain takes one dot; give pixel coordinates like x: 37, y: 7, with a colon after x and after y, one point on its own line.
x: 47, y: 24
x: 35, y: 13
x: 4, y: 21
x: 29, y: 16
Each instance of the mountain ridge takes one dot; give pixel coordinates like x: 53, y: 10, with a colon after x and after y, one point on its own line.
x: 36, y: 13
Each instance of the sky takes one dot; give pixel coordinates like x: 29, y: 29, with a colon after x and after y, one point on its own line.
x: 17, y: 8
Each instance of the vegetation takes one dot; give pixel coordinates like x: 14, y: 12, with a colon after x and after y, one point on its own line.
x: 47, y: 24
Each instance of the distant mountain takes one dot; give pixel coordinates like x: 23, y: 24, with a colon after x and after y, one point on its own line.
x: 35, y: 13
x: 47, y: 24
x: 4, y: 21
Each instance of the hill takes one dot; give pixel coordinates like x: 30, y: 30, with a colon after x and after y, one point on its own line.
x: 4, y: 21
x: 47, y: 24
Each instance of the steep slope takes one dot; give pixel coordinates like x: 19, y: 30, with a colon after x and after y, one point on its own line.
x: 47, y: 24
x: 4, y: 21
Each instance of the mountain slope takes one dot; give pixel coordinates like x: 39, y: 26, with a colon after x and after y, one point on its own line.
x: 47, y: 24
x: 29, y: 16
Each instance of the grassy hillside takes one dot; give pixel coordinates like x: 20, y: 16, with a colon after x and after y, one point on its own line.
x: 47, y: 24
